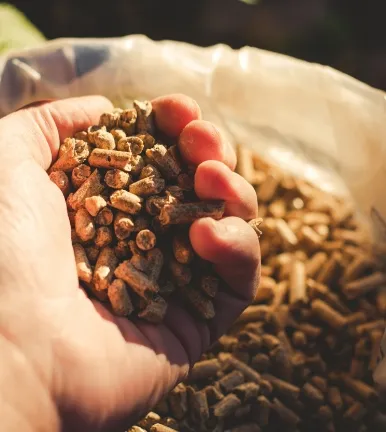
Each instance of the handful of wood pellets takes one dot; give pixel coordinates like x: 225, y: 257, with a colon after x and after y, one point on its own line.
x: 130, y: 201
x: 301, y: 358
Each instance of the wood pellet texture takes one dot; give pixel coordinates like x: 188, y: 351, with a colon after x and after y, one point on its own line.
x: 130, y: 214
x: 301, y: 357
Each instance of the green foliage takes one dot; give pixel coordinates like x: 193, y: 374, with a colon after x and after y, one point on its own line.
x: 16, y: 31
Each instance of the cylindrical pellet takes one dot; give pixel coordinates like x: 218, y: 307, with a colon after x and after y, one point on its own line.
x: 84, y: 225
x: 328, y: 315
x: 137, y: 280
x: 172, y: 214
x: 95, y: 204
x: 108, y: 159
x: 126, y: 202
x: 147, y: 186
x: 83, y: 267
x: 104, y: 269
x: 117, y: 179
x: 79, y: 175
x: 119, y: 298
x: 62, y: 182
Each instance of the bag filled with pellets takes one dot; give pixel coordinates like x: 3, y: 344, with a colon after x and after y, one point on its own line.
x: 309, y: 353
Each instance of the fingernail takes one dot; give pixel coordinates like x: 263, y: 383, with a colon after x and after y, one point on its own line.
x: 225, y: 229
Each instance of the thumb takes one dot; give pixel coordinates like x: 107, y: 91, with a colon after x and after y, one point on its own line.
x: 38, y: 130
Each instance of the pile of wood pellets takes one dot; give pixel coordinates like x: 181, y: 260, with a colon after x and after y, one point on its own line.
x: 301, y: 357
x: 130, y: 202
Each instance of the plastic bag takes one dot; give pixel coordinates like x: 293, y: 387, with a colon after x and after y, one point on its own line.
x: 310, y: 119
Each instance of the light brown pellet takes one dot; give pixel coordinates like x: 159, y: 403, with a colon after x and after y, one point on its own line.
x: 92, y: 186
x: 74, y: 156
x: 104, y: 217
x: 310, y: 238
x: 150, y: 171
x: 79, y: 175
x: 95, y: 204
x: 314, y: 264
x: 84, y: 225
x: 119, y: 298
x: 330, y: 270
x: 123, y: 225
x: 285, y: 233
x: 297, y: 283
x: 146, y: 240
x: 126, y: 202
x: 117, y: 133
x: 100, y: 158
x: 268, y: 188
x: 104, y: 269
x: 328, y: 315
x: 133, y: 145
x: 83, y: 267
x: 104, y: 140
x: 67, y: 144
x: 61, y: 180
x: 245, y: 166
x: 137, y: 165
x: 127, y: 121
x: 117, y: 179
x: 103, y: 236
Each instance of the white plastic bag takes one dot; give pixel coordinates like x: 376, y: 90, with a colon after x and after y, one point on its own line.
x: 310, y: 119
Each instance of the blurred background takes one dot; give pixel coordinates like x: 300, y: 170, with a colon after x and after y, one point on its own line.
x: 348, y: 35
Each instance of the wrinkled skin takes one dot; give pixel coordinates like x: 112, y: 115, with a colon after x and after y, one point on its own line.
x: 67, y: 363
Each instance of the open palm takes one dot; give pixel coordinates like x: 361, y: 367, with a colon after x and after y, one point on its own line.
x: 101, y: 372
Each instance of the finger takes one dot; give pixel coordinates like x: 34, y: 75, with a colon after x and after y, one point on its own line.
x: 201, y: 141
x: 233, y: 247
x: 174, y: 112
x: 215, y: 181
x: 48, y: 124
x: 193, y: 335
x: 228, y: 308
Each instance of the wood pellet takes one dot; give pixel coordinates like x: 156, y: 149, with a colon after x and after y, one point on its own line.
x: 301, y: 357
x: 130, y: 203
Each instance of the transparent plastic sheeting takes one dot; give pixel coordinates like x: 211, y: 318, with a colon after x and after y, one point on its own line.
x: 311, y: 120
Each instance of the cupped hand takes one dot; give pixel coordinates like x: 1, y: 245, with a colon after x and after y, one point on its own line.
x: 90, y: 370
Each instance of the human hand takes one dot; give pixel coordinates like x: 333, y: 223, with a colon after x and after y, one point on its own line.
x: 82, y: 367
